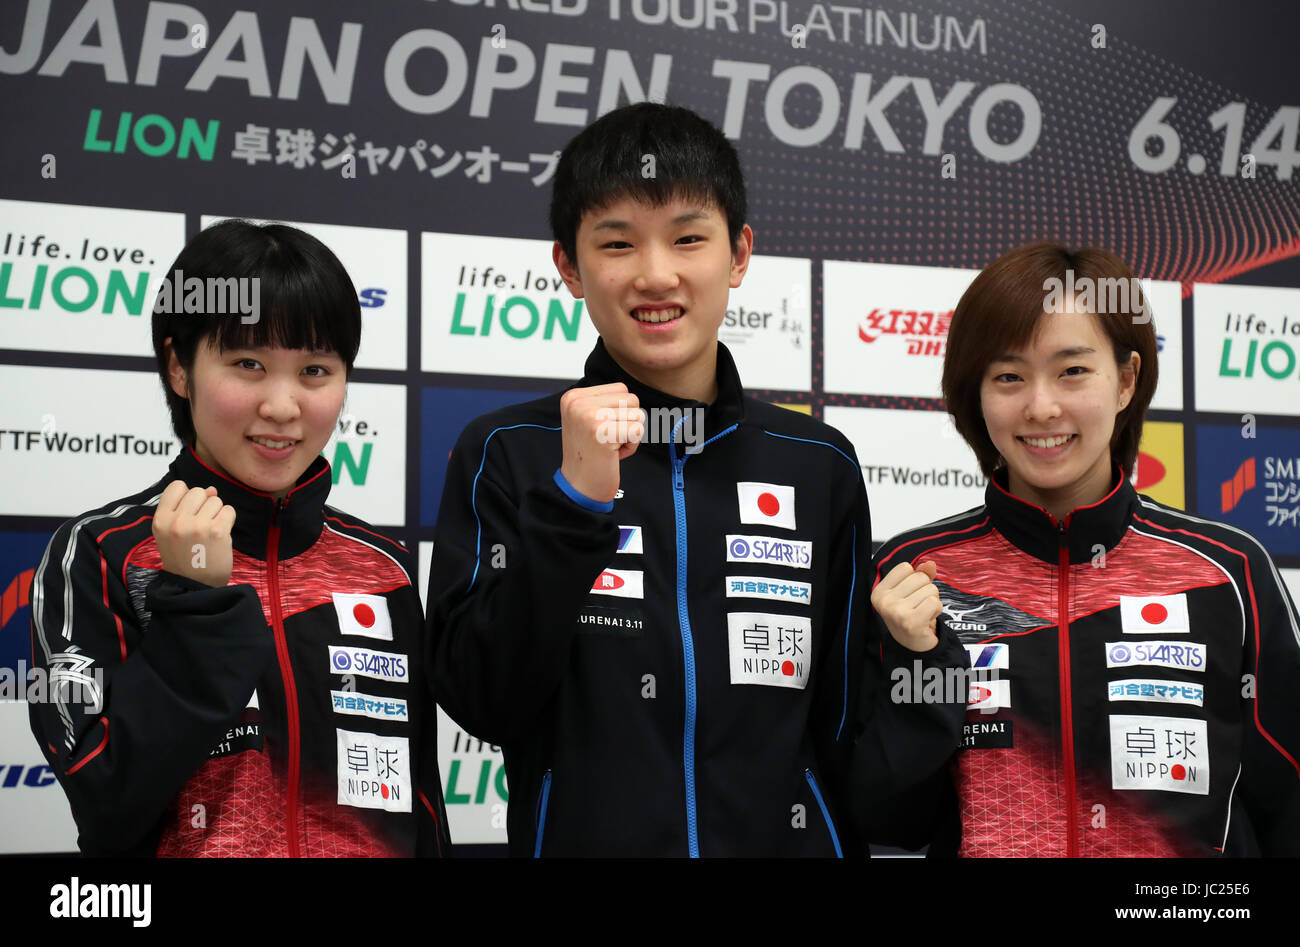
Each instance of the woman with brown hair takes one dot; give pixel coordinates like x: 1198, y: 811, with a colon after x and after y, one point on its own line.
x: 1134, y: 668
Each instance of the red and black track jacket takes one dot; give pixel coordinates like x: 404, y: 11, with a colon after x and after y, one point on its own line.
x: 280, y: 715
x: 692, y: 668
x: 1139, y: 682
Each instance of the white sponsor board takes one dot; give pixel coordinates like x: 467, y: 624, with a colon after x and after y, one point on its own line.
x: 1247, y: 346
x: 1165, y: 300
x: 497, y: 306
x: 768, y: 323
x: 368, y: 454
x: 34, y: 813
x: 83, y: 279
x: 916, y: 467
x: 1292, y: 579
x: 73, y: 439
x: 886, y: 326
x: 376, y: 261
x: 473, y: 772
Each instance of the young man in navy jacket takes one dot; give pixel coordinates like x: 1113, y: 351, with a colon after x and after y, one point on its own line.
x: 653, y: 591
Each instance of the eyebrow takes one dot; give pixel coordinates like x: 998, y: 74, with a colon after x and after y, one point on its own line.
x: 1075, y: 352
x: 685, y: 218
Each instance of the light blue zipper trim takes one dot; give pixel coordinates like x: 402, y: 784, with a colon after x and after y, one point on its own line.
x: 688, y: 647
x: 688, y: 642
x: 543, y: 799
x: 473, y: 495
x: 817, y: 794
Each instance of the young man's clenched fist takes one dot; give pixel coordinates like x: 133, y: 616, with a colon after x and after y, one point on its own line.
x: 192, y: 529
x: 600, y: 426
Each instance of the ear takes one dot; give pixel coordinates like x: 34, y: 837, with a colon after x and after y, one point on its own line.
x: 1128, y: 378
x: 740, y: 255
x: 177, y: 377
x: 568, y: 270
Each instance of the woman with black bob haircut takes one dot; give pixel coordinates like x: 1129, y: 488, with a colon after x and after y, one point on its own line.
x: 1134, y: 668
x: 255, y: 654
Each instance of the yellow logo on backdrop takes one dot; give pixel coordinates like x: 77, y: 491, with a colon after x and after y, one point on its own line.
x: 1159, y: 472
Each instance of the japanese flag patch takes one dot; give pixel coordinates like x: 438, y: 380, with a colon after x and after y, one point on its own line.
x: 1156, y: 614
x: 767, y: 503
x: 364, y: 615
x: 769, y: 649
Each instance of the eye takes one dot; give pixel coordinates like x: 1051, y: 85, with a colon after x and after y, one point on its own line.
x: 316, y: 371
x: 1006, y: 377
x: 1076, y: 370
x: 615, y: 245
x: 692, y: 238
x: 251, y: 364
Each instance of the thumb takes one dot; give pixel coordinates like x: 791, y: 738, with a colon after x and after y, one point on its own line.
x: 930, y: 568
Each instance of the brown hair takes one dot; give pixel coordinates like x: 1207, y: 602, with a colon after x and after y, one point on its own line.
x: 1000, y: 313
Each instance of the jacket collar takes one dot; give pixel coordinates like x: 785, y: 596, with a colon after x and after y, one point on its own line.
x: 1037, y: 532
x: 299, y: 517
x: 725, y: 412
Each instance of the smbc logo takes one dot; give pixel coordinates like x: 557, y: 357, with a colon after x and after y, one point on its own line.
x: 518, y: 316
x: 344, y: 461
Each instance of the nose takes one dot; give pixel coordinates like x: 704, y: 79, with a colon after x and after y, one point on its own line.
x: 1043, y: 403
x: 280, y: 402
x: 658, y: 274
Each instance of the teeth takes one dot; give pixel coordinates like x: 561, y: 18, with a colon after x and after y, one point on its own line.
x: 1047, y: 441
x: 659, y: 315
x: 275, y: 445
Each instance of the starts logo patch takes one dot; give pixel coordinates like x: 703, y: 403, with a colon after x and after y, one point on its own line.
x: 778, y: 552
x: 1187, y: 656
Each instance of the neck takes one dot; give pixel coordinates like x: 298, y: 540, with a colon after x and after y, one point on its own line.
x: 696, y: 382
x: 1063, y: 501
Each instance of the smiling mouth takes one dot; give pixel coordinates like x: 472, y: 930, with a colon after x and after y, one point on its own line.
x: 657, y: 315
x: 1059, y: 440
x: 272, y: 442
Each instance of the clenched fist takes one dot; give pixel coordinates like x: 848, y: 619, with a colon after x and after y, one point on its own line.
x: 192, y: 529
x: 907, y: 600
x: 600, y: 426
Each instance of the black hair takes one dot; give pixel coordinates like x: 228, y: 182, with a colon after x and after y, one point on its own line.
x: 649, y: 152
x: 305, y: 300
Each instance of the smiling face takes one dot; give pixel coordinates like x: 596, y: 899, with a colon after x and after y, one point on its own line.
x: 656, y: 281
x: 261, y: 415
x: 1050, y: 411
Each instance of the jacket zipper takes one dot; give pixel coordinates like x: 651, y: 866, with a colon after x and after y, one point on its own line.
x: 543, y: 798
x: 1067, y: 701
x: 286, y: 671
x: 688, y: 653
x: 830, y: 826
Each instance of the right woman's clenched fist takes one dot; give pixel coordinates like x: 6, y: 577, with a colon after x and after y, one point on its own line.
x: 907, y: 600
x: 192, y: 529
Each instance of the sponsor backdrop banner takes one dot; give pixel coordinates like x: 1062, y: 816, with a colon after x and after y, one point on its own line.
x: 891, y: 151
